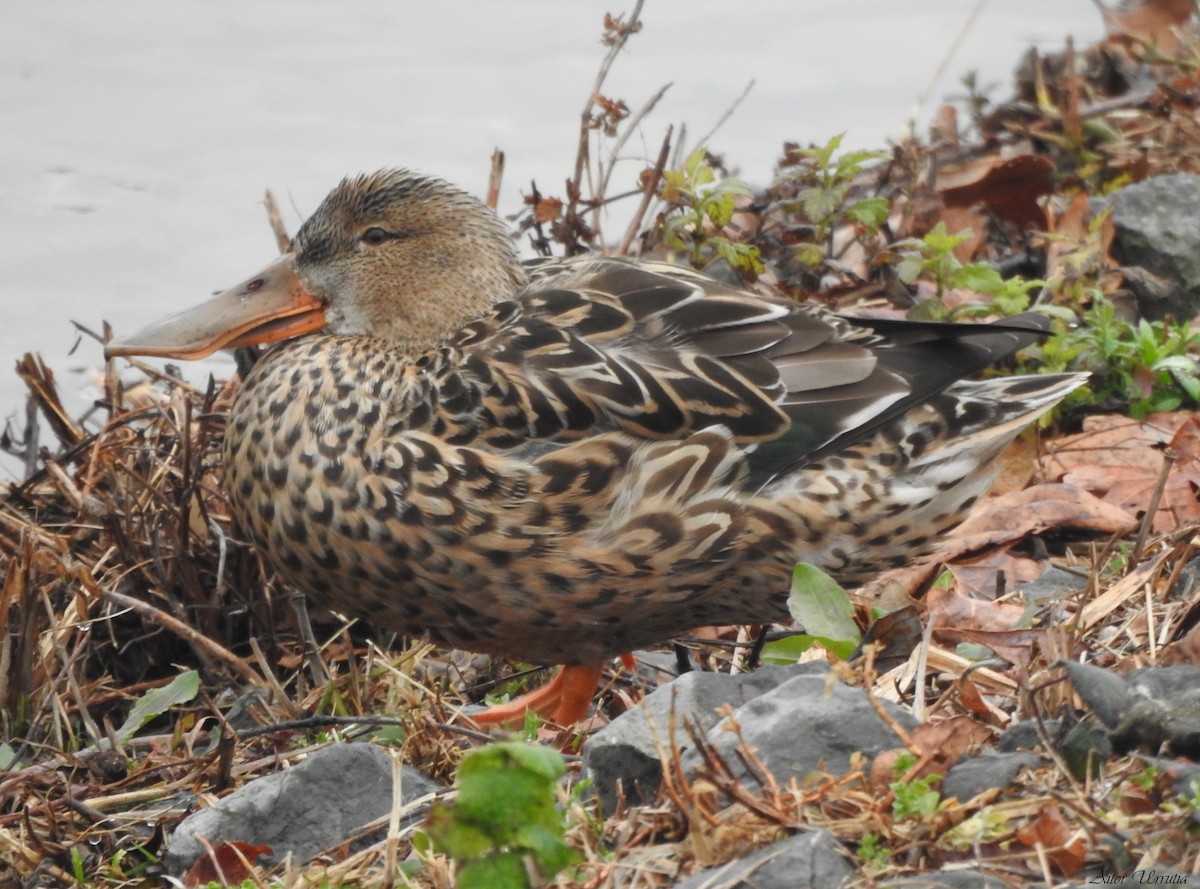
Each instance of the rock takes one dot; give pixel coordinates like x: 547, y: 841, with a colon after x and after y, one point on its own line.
x: 623, y: 756
x: 1150, y: 708
x: 813, y: 859
x: 1053, y: 583
x: 304, y: 810
x: 970, y: 777
x: 1024, y: 735
x: 793, y: 717
x: 803, y: 723
x: 1158, y: 230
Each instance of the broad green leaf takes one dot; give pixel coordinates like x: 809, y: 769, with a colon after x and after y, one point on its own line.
x: 158, y: 701
x: 786, y: 651
x: 824, y: 609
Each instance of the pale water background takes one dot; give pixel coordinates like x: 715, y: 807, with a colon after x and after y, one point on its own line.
x: 138, y: 136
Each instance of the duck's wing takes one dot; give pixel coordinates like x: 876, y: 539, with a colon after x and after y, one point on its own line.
x: 661, y: 352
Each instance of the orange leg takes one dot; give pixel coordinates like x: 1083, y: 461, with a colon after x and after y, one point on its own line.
x: 564, y: 700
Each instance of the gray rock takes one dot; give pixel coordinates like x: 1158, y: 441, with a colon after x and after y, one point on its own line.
x: 812, y: 859
x: 970, y: 777
x: 1148, y: 709
x: 1053, y: 583
x: 1158, y: 229
x: 802, y: 724
x: 622, y: 758
x: 1024, y: 735
x: 304, y: 810
x: 792, y: 717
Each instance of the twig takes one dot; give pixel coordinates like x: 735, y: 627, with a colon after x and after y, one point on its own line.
x: 581, y: 154
x: 649, y: 190
x: 1152, y: 510
x: 194, y: 638
x: 494, y: 179
x: 631, y: 125
x: 282, y: 239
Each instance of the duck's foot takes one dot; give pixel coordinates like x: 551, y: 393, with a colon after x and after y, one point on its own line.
x: 564, y: 700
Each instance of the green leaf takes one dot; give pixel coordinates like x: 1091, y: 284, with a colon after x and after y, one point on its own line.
x: 820, y: 203
x: 547, y: 846
x: 871, y: 212
x: 719, y: 208
x: 788, y: 650
x: 505, y: 870
x: 910, y: 268
x: 455, y: 836
x: 824, y: 609
x: 157, y: 701
x: 980, y: 277
x: 809, y: 254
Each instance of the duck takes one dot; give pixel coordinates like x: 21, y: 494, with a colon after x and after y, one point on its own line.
x: 565, y: 460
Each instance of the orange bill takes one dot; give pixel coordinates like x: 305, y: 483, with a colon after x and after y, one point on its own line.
x: 271, y: 306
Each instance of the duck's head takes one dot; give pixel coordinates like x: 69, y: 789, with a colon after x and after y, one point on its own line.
x: 394, y: 254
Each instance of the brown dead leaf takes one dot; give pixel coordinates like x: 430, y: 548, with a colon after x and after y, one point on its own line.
x: 1183, y: 651
x: 1121, y: 460
x: 1008, y: 187
x: 225, y: 863
x: 547, y: 209
x: 1051, y: 831
x: 1016, y: 467
x: 939, y: 746
x: 955, y: 610
x: 1036, y: 510
x: 971, y: 699
x: 1149, y: 21
x: 1015, y: 646
x: 989, y: 575
x: 950, y: 740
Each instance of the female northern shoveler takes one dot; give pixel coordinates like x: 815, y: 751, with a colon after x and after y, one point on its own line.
x: 561, y: 462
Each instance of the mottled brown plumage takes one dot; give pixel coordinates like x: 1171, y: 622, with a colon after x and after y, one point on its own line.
x: 563, y: 462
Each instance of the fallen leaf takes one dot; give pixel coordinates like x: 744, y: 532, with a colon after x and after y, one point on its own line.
x: 1008, y: 187
x: 1051, y: 831
x: 939, y: 745
x: 225, y: 863
x: 990, y: 575
x: 954, y: 610
x: 1149, y: 21
x: 1015, y: 646
x: 1121, y: 460
x: 1036, y: 510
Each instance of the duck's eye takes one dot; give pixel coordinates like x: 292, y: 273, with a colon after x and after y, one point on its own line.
x: 375, y: 236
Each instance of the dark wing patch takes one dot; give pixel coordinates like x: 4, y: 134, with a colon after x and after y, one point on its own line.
x: 594, y: 345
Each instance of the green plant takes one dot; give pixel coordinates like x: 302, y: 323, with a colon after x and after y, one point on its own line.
x: 701, y: 205
x: 916, y: 797
x: 824, y: 609
x: 504, y: 819
x: 822, y: 184
x: 932, y: 257
x: 1150, y: 365
x: 873, y: 853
